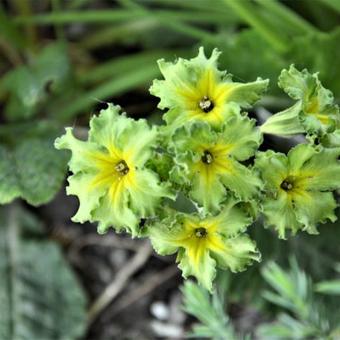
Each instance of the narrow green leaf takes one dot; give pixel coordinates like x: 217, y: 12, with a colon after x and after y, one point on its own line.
x: 127, y: 64
x: 247, y: 11
x: 109, y: 89
x: 286, y: 16
x: 328, y: 287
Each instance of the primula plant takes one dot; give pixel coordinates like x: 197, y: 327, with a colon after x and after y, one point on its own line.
x: 127, y: 174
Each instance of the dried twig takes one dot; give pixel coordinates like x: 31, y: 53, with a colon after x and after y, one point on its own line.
x: 116, y: 286
x: 103, y: 241
x: 149, y: 285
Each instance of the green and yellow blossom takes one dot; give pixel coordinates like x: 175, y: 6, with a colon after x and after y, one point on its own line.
x: 208, y: 162
x: 109, y: 176
x: 204, y: 243
x: 314, y: 112
x: 196, y: 90
x: 298, y: 187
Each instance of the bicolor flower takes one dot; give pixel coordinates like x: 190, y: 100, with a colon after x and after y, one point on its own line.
x: 298, y: 187
x: 204, y: 243
x: 109, y: 177
x: 196, y: 90
x: 314, y: 112
x: 208, y: 163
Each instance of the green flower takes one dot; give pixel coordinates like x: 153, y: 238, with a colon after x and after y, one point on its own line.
x: 202, y: 244
x: 298, y: 187
x: 109, y: 177
x: 196, y: 90
x: 208, y: 162
x: 314, y: 112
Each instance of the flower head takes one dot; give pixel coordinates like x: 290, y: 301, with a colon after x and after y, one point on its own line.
x: 109, y: 175
x: 314, y: 112
x: 298, y: 187
x: 208, y: 162
x: 202, y: 244
x: 196, y: 90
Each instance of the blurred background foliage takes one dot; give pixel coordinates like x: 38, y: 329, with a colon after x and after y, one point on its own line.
x: 60, y: 61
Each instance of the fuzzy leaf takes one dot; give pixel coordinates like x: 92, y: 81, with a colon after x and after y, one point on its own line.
x: 39, y: 295
x: 33, y: 170
x: 32, y: 85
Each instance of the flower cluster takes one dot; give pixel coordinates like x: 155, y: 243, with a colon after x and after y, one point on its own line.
x: 127, y: 175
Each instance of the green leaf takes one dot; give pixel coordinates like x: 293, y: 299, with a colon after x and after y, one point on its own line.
x: 302, y: 53
x: 39, y: 295
x: 292, y: 288
x: 214, y: 322
x: 302, y: 314
x: 328, y: 287
x: 31, y: 86
x: 33, y: 171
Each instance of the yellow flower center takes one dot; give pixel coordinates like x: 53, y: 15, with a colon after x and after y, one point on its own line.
x: 206, y: 98
x: 115, y: 171
x: 294, y: 185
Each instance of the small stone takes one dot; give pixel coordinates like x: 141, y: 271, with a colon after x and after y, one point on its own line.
x: 160, y: 311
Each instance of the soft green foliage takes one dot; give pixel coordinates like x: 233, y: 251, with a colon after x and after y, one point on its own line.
x: 209, y: 310
x: 293, y: 292
x: 328, y: 287
x: 300, y: 312
x: 50, y: 76
x: 33, y: 170
x: 199, y: 153
x: 39, y: 295
x: 31, y: 86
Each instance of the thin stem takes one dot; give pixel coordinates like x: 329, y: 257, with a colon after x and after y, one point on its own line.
x: 58, y: 27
